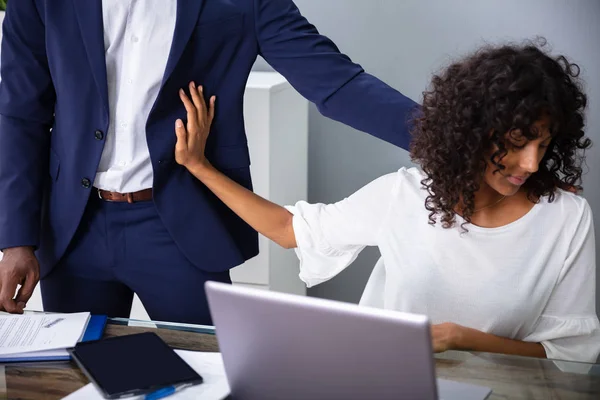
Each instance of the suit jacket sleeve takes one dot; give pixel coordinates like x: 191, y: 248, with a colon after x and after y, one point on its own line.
x: 341, y: 89
x: 27, y: 100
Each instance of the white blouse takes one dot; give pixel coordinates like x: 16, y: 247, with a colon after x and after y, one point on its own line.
x: 531, y: 280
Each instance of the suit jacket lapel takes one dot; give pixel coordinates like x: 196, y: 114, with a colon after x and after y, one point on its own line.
x: 187, y: 18
x: 89, y: 16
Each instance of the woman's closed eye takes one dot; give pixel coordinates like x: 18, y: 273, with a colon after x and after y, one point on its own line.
x: 546, y: 143
x: 521, y: 143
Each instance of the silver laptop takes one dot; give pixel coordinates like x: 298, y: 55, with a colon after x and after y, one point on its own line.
x: 282, y: 346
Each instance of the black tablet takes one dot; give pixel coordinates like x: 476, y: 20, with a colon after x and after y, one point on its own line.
x: 132, y: 365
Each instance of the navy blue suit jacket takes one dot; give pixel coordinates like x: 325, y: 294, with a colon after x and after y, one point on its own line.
x: 53, y: 99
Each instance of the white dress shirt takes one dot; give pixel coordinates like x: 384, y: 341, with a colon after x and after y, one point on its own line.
x: 531, y: 280
x: 137, y: 40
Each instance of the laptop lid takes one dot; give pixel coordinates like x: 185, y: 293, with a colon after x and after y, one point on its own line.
x: 282, y: 346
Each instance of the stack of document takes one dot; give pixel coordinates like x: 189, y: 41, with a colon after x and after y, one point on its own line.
x: 45, y: 337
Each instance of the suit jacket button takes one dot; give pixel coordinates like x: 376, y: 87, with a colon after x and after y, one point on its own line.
x: 86, y: 183
x: 99, y: 135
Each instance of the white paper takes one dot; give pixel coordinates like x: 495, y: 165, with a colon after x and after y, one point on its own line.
x: 29, y: 333
x: 33, y: 355
x: 208, y: 365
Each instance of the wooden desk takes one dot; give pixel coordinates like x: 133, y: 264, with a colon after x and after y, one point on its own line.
x: 509, y: 377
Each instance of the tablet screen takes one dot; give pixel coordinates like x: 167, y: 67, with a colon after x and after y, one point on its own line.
x: 133, y: 364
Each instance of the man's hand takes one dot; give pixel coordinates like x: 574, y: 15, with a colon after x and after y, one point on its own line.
x: 18, y: 267
x: 191, y: 141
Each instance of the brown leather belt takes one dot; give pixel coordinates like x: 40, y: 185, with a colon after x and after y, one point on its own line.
x: 142, y: 195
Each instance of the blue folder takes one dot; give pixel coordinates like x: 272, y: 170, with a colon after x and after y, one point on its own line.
x: 94, y: 331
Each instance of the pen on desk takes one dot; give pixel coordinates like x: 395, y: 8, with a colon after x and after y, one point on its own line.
x: 164, y: 392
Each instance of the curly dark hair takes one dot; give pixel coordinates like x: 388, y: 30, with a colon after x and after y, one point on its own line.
x: 473, y: 104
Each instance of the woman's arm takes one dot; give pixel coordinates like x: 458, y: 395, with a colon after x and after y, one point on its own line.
x: 449, y: 336
x: 267, y: 218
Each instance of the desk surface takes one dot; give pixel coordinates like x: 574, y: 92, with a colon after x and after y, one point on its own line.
x: 509, y: 377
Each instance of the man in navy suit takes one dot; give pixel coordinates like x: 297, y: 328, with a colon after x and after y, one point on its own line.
x: 91, y: 200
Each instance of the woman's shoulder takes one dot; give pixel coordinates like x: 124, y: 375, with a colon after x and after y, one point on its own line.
x: 411, y: 176
x: 409, y: 180
x: 412, y: 173
x: 571, y: 212
x: 566, y: 203
x: 404, y: 177
x: 400, y: 185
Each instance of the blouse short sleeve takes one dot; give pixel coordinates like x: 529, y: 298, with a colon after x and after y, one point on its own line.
x: 329, y: 237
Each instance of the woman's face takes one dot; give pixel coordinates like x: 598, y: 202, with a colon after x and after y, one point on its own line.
x: 521, y: 160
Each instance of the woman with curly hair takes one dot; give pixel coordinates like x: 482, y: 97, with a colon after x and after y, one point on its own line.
x: 483, y: 238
